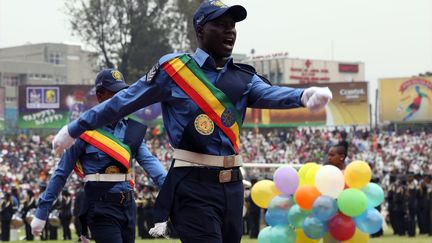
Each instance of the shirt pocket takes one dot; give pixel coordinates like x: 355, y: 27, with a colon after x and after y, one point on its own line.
x: 95, y: 153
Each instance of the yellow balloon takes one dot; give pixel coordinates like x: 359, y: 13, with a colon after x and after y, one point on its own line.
x: 358, y: 237
x: 357, y: 174
x: 302, y: 238
x: 263, y: 192
x: 311, y: 173
x: 303, y: 170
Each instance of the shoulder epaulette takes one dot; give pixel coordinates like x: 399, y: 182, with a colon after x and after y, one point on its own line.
x: 250, y: 69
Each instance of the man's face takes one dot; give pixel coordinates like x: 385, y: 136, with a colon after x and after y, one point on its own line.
x: 218, y: 36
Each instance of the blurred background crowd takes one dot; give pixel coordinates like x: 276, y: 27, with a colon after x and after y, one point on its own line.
x: 401, y: 163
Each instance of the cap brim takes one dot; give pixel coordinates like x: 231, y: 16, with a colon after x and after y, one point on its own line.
x: 238, y: 12
x: 117, y: 86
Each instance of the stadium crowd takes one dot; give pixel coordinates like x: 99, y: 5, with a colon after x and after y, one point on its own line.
x: 401, y: 163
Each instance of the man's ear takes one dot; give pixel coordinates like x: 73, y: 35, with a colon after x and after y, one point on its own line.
x: 199, y: 32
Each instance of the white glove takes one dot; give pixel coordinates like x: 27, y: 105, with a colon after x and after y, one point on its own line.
x: 315, y: 98
x: 37, y: 226
x: 62, y: 140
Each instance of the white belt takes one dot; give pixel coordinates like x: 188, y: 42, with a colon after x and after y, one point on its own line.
x: 188, y: 158
x: 108, y: 177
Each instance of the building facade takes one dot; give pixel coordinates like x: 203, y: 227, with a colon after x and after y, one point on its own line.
x: 42, y: 64
x: 281, y: 69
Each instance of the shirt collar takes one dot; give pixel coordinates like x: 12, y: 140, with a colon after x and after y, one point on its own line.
x: 201, y: 57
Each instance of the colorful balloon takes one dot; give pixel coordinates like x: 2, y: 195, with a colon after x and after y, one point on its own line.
x: 306, y: 195
x: 324, y: 208
x: 370, y: 221
x: 374, y: 194
x: 358, y: 237
x: 352, y: 202
x: 310, y: 175
x: 302, y: 238
x: 286, y: 180
x: 303, y: 170
x: 357, y: 174
x: 341, y: 227
x: 263, y: 192
x: 314, y: 228
x: 282, y: 234
x: 296, y: 216
x: 276, y: 216
x: 330, y: 181
x: 264, y: 235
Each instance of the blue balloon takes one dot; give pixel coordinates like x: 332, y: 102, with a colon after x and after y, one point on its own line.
x: 264, y: 235
x: 314, y: 228
x: 374, y: 194
x: 282, y: 234
x: 276, y: 216
x: 370, y: 221
x: 324, y: 208
x: 296, y: 216
x: 281, y: 202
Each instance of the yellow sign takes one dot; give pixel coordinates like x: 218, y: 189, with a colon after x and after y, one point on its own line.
x: 349, y: 106
x: 406, y: 99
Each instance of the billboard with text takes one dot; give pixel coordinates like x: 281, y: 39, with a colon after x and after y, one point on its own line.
x: 349, y: 106
x: 406, y: 99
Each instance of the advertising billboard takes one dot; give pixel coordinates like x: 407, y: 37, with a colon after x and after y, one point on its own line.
x: 405, y: 99
x: 52, y: 106
x: 349, y: 106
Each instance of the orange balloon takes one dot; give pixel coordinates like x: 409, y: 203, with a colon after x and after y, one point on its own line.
x: 306, y: 195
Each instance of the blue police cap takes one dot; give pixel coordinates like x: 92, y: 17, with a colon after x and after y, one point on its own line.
x: 110, y: 79
x: 210, y: 10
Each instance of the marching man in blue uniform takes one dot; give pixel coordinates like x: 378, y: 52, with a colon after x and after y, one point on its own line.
x: 103, y: 157
x: 204, y: 97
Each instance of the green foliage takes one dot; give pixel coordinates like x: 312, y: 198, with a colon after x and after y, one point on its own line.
x: 132, y: 34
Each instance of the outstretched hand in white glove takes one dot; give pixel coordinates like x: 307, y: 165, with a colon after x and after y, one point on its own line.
x: 62, y: 140
x: 37, y: 226
x: 316, y: 98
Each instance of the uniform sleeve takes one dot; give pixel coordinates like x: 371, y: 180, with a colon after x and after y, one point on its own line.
x: 151, y: 165
x: 142, y: 93
x: 264, y: 96
x: 58, y: 179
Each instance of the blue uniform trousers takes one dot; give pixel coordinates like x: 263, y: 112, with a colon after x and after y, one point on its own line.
x: 111, y: 217
x: 205, y: 210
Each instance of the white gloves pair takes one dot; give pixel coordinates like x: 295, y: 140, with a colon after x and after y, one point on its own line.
x: 316, y: 98
x: 37, y: 226
x: 62, y: 140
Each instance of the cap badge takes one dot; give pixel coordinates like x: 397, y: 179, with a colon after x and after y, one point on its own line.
x: 116, y: 75
x: 218, y: 3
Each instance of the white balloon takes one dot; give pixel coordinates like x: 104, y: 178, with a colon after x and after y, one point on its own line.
x: 330, y: 181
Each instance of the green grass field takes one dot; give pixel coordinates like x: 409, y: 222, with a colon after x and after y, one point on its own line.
x: 387, y: 238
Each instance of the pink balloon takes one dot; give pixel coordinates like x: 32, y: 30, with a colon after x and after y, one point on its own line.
x: 286, y: 180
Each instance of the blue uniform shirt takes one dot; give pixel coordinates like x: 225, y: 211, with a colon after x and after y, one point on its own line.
x: 178, y: 107
x: 93, y: 160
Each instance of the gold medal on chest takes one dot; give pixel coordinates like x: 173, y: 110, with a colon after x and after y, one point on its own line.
x: 204, y: 125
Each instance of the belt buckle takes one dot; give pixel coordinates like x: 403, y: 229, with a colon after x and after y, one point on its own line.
x: 225, y: 176
x: 123, y: 198
x: 229, y: 161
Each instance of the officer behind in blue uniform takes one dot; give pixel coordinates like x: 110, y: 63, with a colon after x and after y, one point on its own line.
x: 203, y: 192
x: 110, y: 208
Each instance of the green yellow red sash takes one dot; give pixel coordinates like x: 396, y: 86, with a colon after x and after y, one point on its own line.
x: 108, y: 144
x: 192, y: 80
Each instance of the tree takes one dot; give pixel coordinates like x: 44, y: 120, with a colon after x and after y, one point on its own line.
x: 131, y: 34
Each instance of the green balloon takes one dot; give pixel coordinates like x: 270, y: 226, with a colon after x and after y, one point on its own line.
x: 296, y: 216
x: 264, y: 235
x: 352, y: 202
x: 282, y: 234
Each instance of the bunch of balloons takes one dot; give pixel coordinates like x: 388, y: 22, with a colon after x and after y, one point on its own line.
x: 319, y: 201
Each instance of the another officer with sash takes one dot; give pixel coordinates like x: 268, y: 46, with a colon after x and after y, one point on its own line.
x: 204, y: 97
x: 104, y: 158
